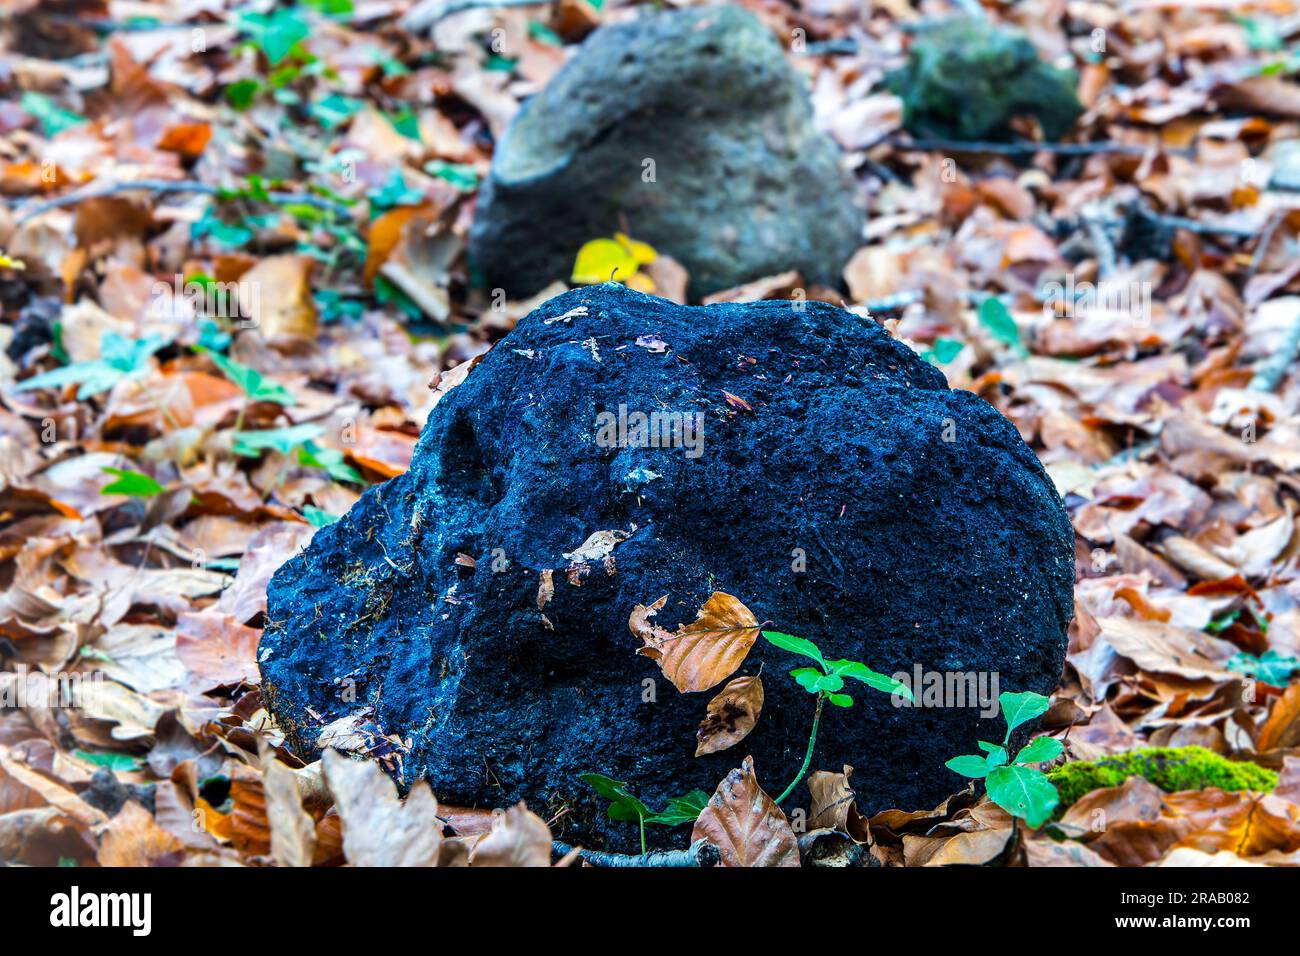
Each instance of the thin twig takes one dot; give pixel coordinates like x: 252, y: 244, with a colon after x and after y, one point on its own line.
x: 701, y: 853
x: 1265, y: 241
x: 1192, y: 225
x: 1025, y: 148
x: 1270, y: 372
x: 31, y: 209
x: 1095, y: 222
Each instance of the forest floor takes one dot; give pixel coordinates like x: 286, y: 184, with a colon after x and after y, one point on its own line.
x: 318, y: 151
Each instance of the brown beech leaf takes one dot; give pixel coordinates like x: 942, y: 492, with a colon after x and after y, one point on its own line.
x: 293, y: 831
x: 132, y: 838
x: 519, y: 837
x: 378, y: 829
x: 1282, y: 729
x: 745, y: 824
x: 283, y: 302
x: 703, y: 653
x: 732, y: 715
x: 834, y: 805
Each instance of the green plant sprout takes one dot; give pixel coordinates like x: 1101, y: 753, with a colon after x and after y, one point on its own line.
x: 825, y: 681
x: 625, y: 808
x: 1019, y: 789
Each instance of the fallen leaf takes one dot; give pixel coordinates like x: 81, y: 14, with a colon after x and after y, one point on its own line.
x: 703, y: 653
x: 519, y: 837
x: 378, y: 828
x: 732, y: 714
x: 745, y: 824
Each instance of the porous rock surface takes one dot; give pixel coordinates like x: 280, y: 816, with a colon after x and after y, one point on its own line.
x: 930, y: 532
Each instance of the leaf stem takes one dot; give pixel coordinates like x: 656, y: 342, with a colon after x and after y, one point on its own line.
x: 641, y: 819
x: 807, y: 757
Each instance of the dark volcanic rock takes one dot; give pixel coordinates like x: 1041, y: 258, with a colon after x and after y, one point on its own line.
x: 744, y: 185
x: 932, y: 535
x: 967, y: 78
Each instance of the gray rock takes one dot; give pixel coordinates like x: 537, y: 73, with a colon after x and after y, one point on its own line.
x: 744, y: 186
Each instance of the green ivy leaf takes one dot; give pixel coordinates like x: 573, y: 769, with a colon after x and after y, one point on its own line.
x: 252, y: 382
x: 943, y: 351
x: 334, y: 110
x: 795, y: 645
x: 241, y: 93
x: 330, y: 460
x: 1023, y: 792
x: 276, y: 33
x: 132, y: 483
x: 1270, y: 667
x: 993, y: 315
x: 681, y: 810
x: 120, y: 358
x: 460, y: 175
x: 861, y: 672
x: 622, y: 805
x: 1021, y: 708
x: 318, y: 518
x: 53, y: 118
x: 971, y: 765
x: 251, y: 444
x: 1040, y: 750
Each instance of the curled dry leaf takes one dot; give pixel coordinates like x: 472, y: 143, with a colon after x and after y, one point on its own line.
x: 834, y: 805
x: 703, y: 653
x: 293, y: 831
x: 745, y: 824
x: 519, y: 837
x: 598, y: 546
x: 732, y: 715
x: 1282, y: 729
x: 132, y: 838
x: 281, y: 303
x: 378, y: 829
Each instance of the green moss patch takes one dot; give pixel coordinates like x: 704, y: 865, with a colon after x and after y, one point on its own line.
x: 1169, y: 768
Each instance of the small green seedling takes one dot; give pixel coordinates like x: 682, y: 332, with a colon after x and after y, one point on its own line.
x: 826, y: 680
x: 625, y: 808
x: 132, y: 483
x: 1270, y: 667
x: 1019, y: 789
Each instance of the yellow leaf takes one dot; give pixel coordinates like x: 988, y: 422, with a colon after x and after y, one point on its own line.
x: 603, y: 260
x: 642, y: 252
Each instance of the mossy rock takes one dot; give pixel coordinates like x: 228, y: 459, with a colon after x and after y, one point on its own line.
x: 965, y: 79
x: 1170, y: 768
